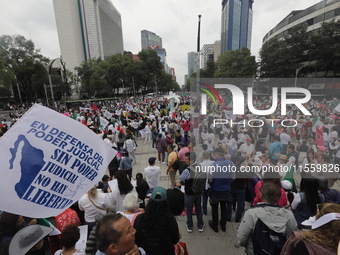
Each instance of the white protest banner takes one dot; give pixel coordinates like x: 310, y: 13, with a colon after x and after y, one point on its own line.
x: 48, y: 161
x: 107, y: 115
x: 142, y: 133
x: 84, y: 109
x: 104, y: 122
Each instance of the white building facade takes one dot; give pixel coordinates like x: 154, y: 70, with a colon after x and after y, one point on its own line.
x: 87, y: 29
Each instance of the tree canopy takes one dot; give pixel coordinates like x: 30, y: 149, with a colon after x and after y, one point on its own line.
x: 318, y: 51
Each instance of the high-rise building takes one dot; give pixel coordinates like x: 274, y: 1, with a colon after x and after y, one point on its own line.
x: 236, y: 27
x: 312, y: 16
x: 87, y: 29
x: 192, y: 63
x: 217, y: 49
x: 207, y: 53
x: 150, y: 40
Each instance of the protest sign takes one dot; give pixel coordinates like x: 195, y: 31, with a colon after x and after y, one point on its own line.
x: 48, y: 161
x: 107, y: 115
x: 104, y: 122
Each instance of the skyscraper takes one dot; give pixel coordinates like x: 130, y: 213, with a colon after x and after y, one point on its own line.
x: 192, y: 63
x: 150, y: 40
x: 87, y: 29
x: 207, y: 52
x: 236, y: 28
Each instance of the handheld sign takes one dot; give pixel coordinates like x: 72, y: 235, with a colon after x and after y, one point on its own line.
x: 48, y: 161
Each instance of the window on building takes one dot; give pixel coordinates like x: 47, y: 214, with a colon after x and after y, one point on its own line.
x: 329, y: 15
x: 310, y: 22
x: 337, y: 12
x: 318, y: 19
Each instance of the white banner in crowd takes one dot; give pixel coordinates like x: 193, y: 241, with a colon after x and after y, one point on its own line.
x: 48, y: 161
x: 108, y: 115
x: 104, y: 122
x: 84, y: 109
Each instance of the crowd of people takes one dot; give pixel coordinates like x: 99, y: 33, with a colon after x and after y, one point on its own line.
x: 284, y: 170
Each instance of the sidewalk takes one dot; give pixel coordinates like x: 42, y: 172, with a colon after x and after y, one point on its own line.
x: 207, y: 242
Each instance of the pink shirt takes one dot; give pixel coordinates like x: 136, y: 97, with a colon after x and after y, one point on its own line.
x: 282, y: 201
x: 181, y: 153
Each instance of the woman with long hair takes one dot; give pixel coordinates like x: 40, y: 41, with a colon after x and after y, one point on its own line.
x: 121, y: 186
x: 157, y: 229
x: 307, y: 162
x: 93, y: 203
x: 322, y: 239
x: 304, y: 203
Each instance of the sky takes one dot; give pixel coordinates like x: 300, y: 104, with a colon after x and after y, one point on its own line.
x: 175, y: 21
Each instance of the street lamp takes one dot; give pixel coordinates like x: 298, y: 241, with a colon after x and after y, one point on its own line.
x: 296, y: 74
x: 155, y: 81
x: 198, y: 51
x: 48, y: 68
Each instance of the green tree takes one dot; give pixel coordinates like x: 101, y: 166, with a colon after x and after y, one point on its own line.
x: 209, y: 70
x: 236, y: 64
x: 325, y: 48
x: 6, y: 80
x: 151, y: 67
x: 85, y: 72
x: 21, y: 57
x: 274, y: 59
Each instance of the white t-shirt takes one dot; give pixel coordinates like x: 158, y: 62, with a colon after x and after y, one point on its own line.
x: 248, y: 150
x: 153, y: 176
x: 285, y: 138
x: 117, y: 198
x: 101, y: 200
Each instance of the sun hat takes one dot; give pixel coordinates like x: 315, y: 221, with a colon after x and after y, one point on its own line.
x: 131, y: 201
x: 26, y: 238
x: 158, y: 194
x: 286, y: 185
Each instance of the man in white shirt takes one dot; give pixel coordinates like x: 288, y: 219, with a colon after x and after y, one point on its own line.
x: 285, y: 140
x: 247, y: 149
x: 152, y: 173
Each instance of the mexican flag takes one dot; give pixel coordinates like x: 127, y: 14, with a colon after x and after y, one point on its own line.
x: 229, y: 101
x: 316, y: 123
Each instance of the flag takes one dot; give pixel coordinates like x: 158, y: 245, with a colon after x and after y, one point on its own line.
x: 316, y: 123
x: 229, y: 101
x: 337, y: 108
x: 319, y: 136
x: 290, y: 175
x: 94, y: 107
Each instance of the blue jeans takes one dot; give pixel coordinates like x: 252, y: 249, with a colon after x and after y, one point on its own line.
x: 190, y: 201
x: 239, y: 196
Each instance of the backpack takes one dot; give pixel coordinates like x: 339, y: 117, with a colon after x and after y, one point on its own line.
x: 266, y: 241
x: 176, y: 164
x: 199, y: 179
